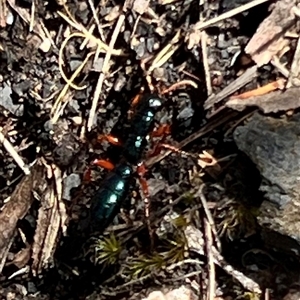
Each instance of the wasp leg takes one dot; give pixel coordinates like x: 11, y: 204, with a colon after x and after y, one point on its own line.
x: 163, y: 131
x: 87, y: 176
x: 109, y: 138
x: 103, y: 164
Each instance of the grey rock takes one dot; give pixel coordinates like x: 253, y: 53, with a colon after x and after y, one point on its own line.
x: 70, y: 182
x: 7, y: 103
x: 274, y: 146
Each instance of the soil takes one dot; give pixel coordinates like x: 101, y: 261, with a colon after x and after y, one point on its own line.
x: 69, y: 73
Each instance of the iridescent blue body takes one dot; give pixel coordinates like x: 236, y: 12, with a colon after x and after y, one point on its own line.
x: 107, y: 201
x: 114, y: 188
x: 141, y: 124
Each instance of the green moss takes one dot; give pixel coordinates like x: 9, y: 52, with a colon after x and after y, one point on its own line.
x: 108, y: 250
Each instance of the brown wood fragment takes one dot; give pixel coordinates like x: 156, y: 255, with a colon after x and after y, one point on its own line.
x: 269, y: 38
x: 51, y: 218
x: 3, y: 13
x: 295, y: 68
x: 17, y: 208
x: 140, y: 6
x: 22, y: 257
x: 234, y: 86
x: 273, y: 102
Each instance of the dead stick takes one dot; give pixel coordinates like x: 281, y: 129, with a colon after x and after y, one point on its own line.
x: 11, y: 150
x: 104, y: 71
x: 202, y: 25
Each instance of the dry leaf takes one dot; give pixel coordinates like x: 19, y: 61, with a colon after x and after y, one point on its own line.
x: 17, y: 208
x: 22, y: 257
x: 206, y: 160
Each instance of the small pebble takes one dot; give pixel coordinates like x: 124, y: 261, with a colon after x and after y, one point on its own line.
x: 74, y: 64
x: 224, y: 54
x: 9, y: 18
x: 70, y: 182
x: 77, y: 120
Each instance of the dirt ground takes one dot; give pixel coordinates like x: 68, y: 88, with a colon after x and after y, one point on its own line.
x: 69, y: 73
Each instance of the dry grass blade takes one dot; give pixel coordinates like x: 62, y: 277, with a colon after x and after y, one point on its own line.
x: 14, y: 154
x: 96, y: 18
x: 72, y: 22
x: 104, y: 71
x: 196, y: 243
x: 166, y: 53
x: 56, y: 108
x: 17, y: 208
x: 280, y: 67
x: 205, y: 63
x: 209, y: 216
x: 246, y: 282
x: 211, y: 266
x: 101, y: 47
x: 31, y: 24
x: 202, y: 25
x: 78, y: 70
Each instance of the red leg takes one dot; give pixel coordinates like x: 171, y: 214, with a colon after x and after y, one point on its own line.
x: 204, y: 159
x: 109, y: 138
x: 87, y: 176
x: 163, y: 131
x: 103, y: 163
x: 134, y: 102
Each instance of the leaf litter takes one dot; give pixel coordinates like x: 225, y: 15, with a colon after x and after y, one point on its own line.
x: 94, y: 59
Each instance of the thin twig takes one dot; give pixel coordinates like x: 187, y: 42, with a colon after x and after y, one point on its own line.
x: 96, y: 19
x: 209, y: 216
x: 31, y: 24
x: 229, y: 14
x: 99, y: 28
x: 211, y: 266
x: 281, y: 68
x: 56, y: 108
x: 295, y: 68
x: 11, y: 150
x: 248, y: 76
x: 205, y: 62
x: 72, y: 22
x: 104, y: 72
